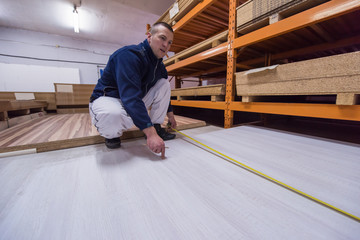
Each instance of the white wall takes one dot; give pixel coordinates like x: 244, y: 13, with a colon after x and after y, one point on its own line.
x: 35, y: 48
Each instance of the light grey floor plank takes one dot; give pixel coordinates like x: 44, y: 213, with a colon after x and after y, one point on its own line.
x: 130, y: 193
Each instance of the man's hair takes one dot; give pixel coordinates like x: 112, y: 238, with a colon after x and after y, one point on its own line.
x: 154, y: 27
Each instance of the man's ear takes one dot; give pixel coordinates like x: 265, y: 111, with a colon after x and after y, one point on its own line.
x: 148, y: 36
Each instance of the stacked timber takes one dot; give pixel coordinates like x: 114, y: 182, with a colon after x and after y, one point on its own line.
x: 255, y: 14
x: 333, y: 75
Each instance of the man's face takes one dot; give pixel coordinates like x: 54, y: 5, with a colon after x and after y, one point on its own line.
x: 161, y: 41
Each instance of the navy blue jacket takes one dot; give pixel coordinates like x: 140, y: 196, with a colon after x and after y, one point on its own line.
x: 129, y: 74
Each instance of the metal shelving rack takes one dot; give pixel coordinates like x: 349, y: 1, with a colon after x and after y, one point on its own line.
x: 331, y: 26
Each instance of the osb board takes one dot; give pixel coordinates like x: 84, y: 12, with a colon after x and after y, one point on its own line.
x: 217, y: 89
x: 200, y: 47
x: 255, y: 13
x: 184, y: 7
x: 61, y: 131
x: 328, y: 75
x: 73, y: 94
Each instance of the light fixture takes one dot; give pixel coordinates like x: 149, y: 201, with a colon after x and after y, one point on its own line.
x: 76, y: 19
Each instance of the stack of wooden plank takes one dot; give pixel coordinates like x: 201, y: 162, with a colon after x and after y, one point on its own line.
x: 255, y: 14
x: 333, y: 75
x: 184, y: 6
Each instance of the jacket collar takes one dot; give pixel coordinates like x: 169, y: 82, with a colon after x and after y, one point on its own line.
x: 149, y: 51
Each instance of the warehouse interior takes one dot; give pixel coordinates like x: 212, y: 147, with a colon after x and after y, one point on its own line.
x: 266, y: 95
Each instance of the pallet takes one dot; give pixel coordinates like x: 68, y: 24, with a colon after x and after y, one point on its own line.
x: 338, y: 99
x: 216, y: 92
x: 255, y: 14
x: 200, y: 47
x: 335, y: 75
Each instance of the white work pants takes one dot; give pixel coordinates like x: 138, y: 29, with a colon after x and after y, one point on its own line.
x: 111, y: 120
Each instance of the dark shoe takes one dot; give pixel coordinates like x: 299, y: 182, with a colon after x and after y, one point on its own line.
x: 163, y: 133
x: 113, y: 143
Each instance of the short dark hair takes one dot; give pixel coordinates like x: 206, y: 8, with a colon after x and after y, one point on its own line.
x: 154, y: 27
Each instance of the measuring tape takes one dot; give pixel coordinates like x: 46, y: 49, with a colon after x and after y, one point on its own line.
x: 274, y: 180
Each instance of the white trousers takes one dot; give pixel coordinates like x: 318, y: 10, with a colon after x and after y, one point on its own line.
x: 111, y: 120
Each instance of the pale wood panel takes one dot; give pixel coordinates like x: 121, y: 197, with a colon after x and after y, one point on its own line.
x: 49, y: 97
x: 65, y: 130
x: 130, y: 193
x: 216, y: 89
x: 79, y: 94
x: 197, y: 48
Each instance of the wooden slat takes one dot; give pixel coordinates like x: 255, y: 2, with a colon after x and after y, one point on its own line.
x: 207, y: 44
x: 217, y: 89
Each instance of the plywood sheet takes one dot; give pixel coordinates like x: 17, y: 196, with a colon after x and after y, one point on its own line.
x: 216, y: 89
x: 130, y: 193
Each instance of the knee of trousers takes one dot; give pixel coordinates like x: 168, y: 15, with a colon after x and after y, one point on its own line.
x: 112, y: 124
x: 164, y: 90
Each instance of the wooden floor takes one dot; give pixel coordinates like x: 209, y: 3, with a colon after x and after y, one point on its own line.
x: 92, y: 192
x: 64, y: 131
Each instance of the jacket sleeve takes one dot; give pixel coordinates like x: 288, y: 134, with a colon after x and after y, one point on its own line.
x: 128, y: 68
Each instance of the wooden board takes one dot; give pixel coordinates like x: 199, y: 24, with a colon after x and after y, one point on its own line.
x: 49, y: 97
x: 337, y: 74
x: 73, y: 94
x: 61, y: 131
x: 200, y: 47
x: 210, y: 90
x: 129, y: 193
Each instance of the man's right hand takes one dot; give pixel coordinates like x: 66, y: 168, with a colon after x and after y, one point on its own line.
x: 154, y: 142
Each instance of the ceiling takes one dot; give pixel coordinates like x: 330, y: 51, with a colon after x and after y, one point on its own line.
x: 119, y: 22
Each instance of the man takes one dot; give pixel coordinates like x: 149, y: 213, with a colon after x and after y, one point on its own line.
x: 135, y: 80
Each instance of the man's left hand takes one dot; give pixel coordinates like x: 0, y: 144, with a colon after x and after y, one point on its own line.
x: 171, y: 119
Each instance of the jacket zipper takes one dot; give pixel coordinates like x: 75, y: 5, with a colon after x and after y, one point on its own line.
x: 157, y: 62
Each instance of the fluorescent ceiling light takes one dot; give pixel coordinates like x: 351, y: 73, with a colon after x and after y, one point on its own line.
x: 76, y: 20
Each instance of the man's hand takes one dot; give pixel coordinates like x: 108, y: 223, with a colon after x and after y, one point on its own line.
x: 154, y: 142
x: 171, y: 119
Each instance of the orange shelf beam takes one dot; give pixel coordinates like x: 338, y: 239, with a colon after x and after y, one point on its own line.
x: 192, y: 14
x: 199, y: 104
x: 332, y: 111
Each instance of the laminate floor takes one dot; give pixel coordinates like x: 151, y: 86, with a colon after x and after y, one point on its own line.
x: 130, y: 193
